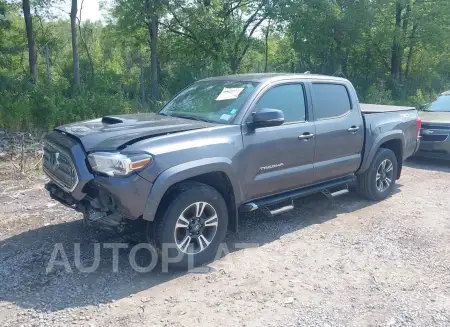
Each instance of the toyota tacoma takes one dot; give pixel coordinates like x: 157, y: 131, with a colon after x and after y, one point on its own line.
x: 224, y: 146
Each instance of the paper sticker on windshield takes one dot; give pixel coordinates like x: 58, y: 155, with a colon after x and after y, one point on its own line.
x: 229, y: 93
x: 225, y: 117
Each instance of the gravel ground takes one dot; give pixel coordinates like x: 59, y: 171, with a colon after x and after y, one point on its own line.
x: 347, y: 262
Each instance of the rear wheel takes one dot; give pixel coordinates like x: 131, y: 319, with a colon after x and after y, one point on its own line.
x: 377, y: 182
x: 193, y: 225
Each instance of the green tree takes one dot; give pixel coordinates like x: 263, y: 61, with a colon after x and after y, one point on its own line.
x: 136, y: 15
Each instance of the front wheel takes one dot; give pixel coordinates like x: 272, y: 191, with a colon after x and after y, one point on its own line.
x: 377, y: 182
x: 193, y: 225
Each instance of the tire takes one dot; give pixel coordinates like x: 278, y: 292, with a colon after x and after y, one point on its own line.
x: 169, y: 231
x: 369, y: 182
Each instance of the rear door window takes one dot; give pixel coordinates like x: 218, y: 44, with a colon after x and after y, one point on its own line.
x: 330, y: 100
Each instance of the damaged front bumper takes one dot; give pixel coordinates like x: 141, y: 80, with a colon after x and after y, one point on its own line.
x: 106, y: 202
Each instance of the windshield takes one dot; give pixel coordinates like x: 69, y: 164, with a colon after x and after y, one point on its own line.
x: 214, y: 101
x: 441, y: 104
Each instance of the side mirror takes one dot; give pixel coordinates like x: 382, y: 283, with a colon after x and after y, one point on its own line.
x: 267, y: 117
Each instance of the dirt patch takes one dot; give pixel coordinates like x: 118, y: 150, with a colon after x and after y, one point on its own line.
x: 349, y: 262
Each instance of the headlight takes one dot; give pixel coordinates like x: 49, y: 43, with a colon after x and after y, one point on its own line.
x: 117, y: 164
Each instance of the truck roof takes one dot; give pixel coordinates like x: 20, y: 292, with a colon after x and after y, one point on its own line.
x: 264, y: 77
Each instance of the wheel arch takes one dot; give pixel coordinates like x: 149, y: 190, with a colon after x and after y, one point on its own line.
x: 215, y: 172
x: 394, y: 141
x: 396, y: 146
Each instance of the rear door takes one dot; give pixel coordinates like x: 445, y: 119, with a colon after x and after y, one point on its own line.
x: 279, y: 158
x: 339, y: 130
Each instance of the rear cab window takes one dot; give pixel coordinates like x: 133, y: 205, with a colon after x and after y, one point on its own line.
x: 330, y: 100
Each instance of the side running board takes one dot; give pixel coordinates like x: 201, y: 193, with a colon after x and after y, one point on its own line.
x: 336, y: 193
x: 284, y: 202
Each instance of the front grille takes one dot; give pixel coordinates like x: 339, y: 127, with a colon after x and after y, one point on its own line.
x: 435, y: 126
x: 434, y: 138
x: 59, y: 167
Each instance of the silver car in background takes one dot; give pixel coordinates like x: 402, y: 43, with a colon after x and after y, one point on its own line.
x: 435, y: 132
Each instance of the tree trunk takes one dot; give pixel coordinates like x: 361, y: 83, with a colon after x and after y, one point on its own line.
x: 406, y: 19
x: 345, y: 64
x: 141, y: 64
x: 86, y: 48
x: 47, y: 65
x: 32, y: 54
x: 396, y: 58
x: 234, y: 64
x: 75, y: 58
x: 266, y: 53
x: 153, y: 30
x: 411, y: 51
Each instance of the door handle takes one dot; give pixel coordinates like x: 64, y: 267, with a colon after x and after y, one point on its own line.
x: 353, y: 129
x: 306, y: 136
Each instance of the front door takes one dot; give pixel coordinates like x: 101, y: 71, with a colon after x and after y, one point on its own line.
x: 279, y: 158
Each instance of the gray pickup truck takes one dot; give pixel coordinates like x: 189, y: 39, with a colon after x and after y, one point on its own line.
x: 224, y: 146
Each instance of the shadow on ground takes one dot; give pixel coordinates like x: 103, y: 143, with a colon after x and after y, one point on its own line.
x: 428, y: 164
x: 24, y: 257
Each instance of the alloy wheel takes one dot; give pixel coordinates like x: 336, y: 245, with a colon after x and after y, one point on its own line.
x: 196, y: 227
x: 384, y: 175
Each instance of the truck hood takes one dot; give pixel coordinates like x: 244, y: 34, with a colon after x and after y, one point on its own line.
x: 112, y: 132
x: 436, y: 118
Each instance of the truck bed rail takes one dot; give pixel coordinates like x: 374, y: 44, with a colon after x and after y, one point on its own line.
x: 377, y: 108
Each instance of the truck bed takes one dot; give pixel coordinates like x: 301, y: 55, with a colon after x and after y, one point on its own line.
x: 380, y: 121
x: 377, y: 108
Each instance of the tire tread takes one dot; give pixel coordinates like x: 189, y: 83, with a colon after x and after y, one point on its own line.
x: 176, y: 196
x: 363, y: 185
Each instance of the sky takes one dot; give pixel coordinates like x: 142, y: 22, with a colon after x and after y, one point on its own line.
x: 91, y: 9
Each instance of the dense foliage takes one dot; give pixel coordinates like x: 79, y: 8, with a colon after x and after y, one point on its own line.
x: 56, y: 68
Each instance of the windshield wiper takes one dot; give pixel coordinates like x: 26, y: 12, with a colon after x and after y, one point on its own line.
x: 192, y: 118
